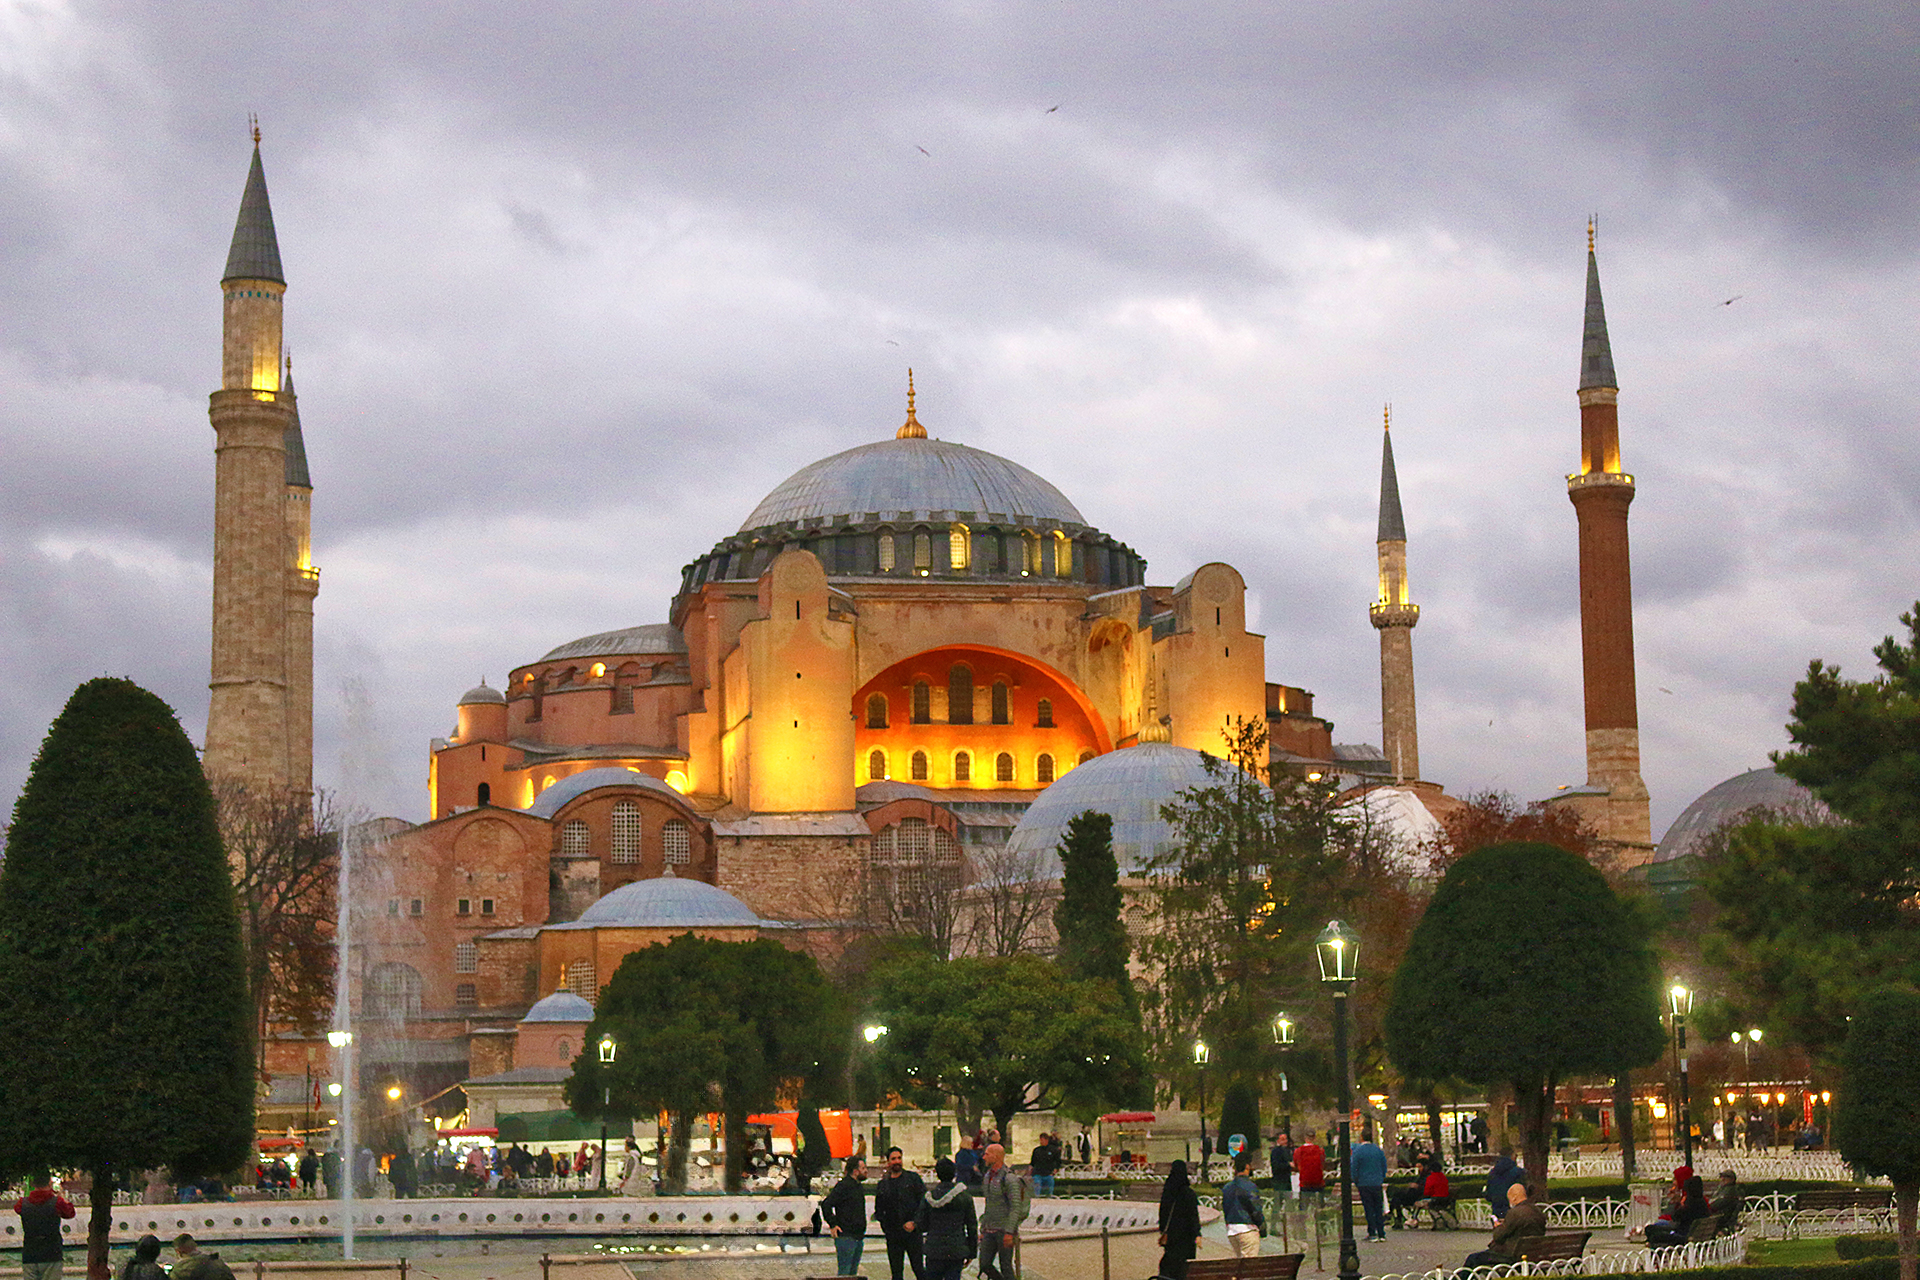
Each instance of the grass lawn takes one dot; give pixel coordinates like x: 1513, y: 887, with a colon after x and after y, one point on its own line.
x: 1793, y: 1252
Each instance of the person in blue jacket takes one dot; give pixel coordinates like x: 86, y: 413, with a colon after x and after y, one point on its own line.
x: 1369, y: 1168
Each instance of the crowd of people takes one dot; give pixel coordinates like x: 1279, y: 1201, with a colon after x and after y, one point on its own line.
x: 934, y: 1231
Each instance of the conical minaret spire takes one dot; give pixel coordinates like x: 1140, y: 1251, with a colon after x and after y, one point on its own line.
x: 1395, y: 615
x: 1615, y: 799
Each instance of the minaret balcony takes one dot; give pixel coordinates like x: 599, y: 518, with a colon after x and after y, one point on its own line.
x: 1599, y: 480
x: 1386, y: 615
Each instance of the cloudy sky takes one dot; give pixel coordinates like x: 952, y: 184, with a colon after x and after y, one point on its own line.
x: 573, y: 285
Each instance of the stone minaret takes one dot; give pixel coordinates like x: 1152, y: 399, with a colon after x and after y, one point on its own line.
x: 1395, y: 615
x: 261, y: 582
x: 1614, y: 800
x: 303, y: 584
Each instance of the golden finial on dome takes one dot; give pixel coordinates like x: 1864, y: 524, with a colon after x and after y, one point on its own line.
x: 1592, y: 221
x: 911, y: 428
x: 1386, y: 417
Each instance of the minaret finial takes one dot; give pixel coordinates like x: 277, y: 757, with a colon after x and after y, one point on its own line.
x: 253, y: 127
x: 1593, y: 222
x: 911, y: 428
x: 1386, y: 417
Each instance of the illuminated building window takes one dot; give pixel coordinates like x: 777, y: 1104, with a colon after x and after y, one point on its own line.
x: 578, y: 978
x: 962, y: 767
x: 922, y: 553
x: 919, y: 766
x: 886, y: 553
x: 1002, y: 703
x: 1043, y: 715
x: 959, y: 694
x: 1043, y: 769
x: 465, y: 996
x: 1085, y: 756
x: 922, y: 702
x: 626, y: 831
x: 466, y: 958
x: 1062, y: 555
x: 876, y: 766
x: 598, y: 671
x: 959, y: 547
x: 678, y: 843
x: 1003, y: 768
x: 393, y: 991
x: 573, y: 839
x: 876, y: 711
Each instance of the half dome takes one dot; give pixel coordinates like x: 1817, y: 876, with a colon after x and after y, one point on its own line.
x: 912, y: 478
x: 550, y: 801
x: 1130, y: 786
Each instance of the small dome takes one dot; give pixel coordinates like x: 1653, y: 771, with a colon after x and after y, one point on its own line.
x: 1754, y: 789
x: 482, y: 694
x: 916, y: 477
x: 1129, y: 786
x: 669, y: 902
x: 549, y: 802
x: 561, y: 1006
x: 654, y: 637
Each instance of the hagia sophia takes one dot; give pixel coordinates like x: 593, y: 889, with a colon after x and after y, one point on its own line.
x: 912, y: 655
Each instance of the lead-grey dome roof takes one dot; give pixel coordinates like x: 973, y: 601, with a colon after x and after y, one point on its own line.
x: 912, y: 476
x: 666, y: 902
x: 654, y: 637
x: 1754, y: 789
x: 1129, y: 786
x: 561, y: 1006
x: 482, y: 693
x: 555, y: 797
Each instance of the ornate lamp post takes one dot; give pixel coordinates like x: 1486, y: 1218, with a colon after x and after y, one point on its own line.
x: 1201, y: 1056
x: 1681, y: 1001
x: 871, y: 1033
x: 1339, y: 952
x: 1283, y: 1036
x: 607, y: 1051
x: 342, y: 1041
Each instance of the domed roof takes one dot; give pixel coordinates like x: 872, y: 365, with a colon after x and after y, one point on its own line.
x: 549, y: 802
x: 1130, y: 786
x: 667, y: 902
x: 482, y: 694
x: 561, y: 1006
x: 1754, y: 789
x: 912, y: 477
x: 653, y: 637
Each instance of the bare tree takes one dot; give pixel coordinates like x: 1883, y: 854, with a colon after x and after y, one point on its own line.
x: 1008, y: 909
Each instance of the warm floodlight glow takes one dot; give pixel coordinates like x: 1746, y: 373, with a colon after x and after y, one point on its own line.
x: 333, y: 1090
x: 393, y: 1093
x: 1681, y: 1000
x: 873, y: 1032
x: 607, y: 1048
x: 1282, y: 1029
x: 1338, y: 951
x: 677, y: 780
x: 1201, y: 1054
x: 339, y: 1039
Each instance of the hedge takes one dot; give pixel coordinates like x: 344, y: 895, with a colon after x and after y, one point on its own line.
x: 1867, y: 1246
x: 1876, y: 1268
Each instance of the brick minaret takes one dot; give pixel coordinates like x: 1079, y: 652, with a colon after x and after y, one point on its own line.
x: 259, y: 575
x: 1394, y: 614
x: 1614, y: 799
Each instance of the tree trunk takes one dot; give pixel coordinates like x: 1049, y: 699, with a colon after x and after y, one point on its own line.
x: 100, y: 1223
x: 1534, y: 1101
x: 673, y: 1160
x: 1498, y: 1135
x: 1433, y: 1122
x: 736, y: 1166
x: 1623, y: 1121
x: 1906, y: 1195
x: 966, y: 1114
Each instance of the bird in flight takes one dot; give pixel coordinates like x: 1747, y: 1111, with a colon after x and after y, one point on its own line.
x: 922, y: 150
x: 1055, y: 107
x: 892, y: 343
x: 1735, y: 298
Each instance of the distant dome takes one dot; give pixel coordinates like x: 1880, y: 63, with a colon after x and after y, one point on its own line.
x: 481, y: 695
x: 561, y: 1006
x: 914, y: 477
x: 550, y: 801
x: 1754, y: 789
x: 1130, y: 786
x: 668, y: 902
x: 654, y: 637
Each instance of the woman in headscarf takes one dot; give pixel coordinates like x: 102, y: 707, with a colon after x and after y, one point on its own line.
x: 1692, y: 1207
x: 1179, y: 1223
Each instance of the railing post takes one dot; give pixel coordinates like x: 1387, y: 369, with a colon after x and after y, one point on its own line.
x: 1106, y: 1254
x: 546, y: 1267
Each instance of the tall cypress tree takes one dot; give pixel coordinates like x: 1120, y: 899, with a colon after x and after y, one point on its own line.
x: 1093, y: 938
x: 125, y: 1023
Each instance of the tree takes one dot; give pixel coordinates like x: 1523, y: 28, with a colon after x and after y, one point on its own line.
x: 124, y: 1014
x: 284, y: 856
x: 1526, y: 968
x: 1814, y: 916
x: 1240, y: 1113
x: 1002, y: 912
x: 1011, y: 1033
x: 1876, y: 1125
x: 700, y: 1025
x: 1495, y: 817
x: 1093, y: 936
x: 812, y: 1155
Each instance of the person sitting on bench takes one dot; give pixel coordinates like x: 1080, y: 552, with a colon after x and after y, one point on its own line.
x: 1429, y: 1190
x: 1524, y: 1218
x: 1692, y: 1207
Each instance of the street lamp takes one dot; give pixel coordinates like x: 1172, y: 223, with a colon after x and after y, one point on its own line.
x: 872, y: 1033
x: 1283, y: 1036
x: 342, y: 1042
x: 1201, y: 1056
x: 1339, y: 953
x: 1746, y: 1043
x: 607, y: 1051
x: 1681, y: 1001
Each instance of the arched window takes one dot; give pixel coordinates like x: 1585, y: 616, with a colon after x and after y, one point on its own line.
x: 1044, y: 714
x: 914, y: 866
x: 960, y: 694
x: 886, y: 553
x: 1085, y: 756
x: 1003, y: 768
x: 1043, y: 769
x: 579, y: 979
x: 466, y: 957
x: 919, y: 766
x: 1029, y: 554
x: 393, y: 991
x: 962, y: 767
x: 573, y: 839
x: 959, y: 546
x: 922, y: 702
x: 626, y: 831
x: 876, y: 765
x: 1062, y: 555
x: 483, y: 795
x: 876, y: 711
x: 677, y: 841
x: 922, y: 553
x: 1002, y: 703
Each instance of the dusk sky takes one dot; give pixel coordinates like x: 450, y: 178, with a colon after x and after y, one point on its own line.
x: 571, y: 286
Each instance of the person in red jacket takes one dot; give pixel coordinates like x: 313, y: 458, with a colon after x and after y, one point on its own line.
x: 1310, y: 1162
x: 40, y: 1213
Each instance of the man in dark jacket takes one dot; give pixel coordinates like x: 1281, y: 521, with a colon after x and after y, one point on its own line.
x: 1503, y: 1175
x: 1046, y: 1159
x: 896, y: 1199
x: 40, y: 1213
x: 192, y: 1264
x: 947, y: 1224
x: 844, y: 1211
x: 1280, y: 1157
x: 1240, y: 1206
x: 1522, y: 1219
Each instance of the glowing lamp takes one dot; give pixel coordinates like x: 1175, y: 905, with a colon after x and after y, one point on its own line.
x: 1201, y: 1054
x: 607, y: 1049
x: 1339, y: 953
x: 1282, y: 1029
x: 873, y: 1032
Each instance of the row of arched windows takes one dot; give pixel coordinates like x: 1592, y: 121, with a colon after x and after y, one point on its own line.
x: 624, y: 842
x: 959, y: 703
x: 1005, y: 769
x: 952, y: 550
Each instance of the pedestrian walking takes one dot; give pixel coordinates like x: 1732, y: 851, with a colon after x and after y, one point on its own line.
x: 1369, y: 1169
x: 1006, y: 1203
x: 896, y: 1201
x: 41, y: 1211
x: 947, y: 1224
x: 1179, y: 1222
x: 1240, y: 1206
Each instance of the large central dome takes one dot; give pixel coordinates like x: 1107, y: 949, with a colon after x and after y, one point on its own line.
x: 912, y: 479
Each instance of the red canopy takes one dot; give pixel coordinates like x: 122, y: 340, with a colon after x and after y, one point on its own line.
x: 468, y: 1133
x: 1129, y: 1117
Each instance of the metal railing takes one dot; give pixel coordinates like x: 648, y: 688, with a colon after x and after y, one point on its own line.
x: 1722, y: 1251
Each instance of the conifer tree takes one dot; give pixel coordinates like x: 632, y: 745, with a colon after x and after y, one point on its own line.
x: 125, y: 1021
x: 1877, y: 1124
x: 1093, y: 937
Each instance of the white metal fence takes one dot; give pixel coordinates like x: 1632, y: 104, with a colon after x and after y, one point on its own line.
x: 1724, y: 1251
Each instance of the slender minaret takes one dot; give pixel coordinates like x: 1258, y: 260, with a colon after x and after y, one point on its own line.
x: 1395, y: 616
x: 303, y: 584
x: 1616, y: 798
x: 247, y: 721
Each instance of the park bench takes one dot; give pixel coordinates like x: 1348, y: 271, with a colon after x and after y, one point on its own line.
x: 1271, y: 1266
x: 1704, y: 1229
x: 1147, y: 1191
x: 1554, y: 1246
x: 1840, y: 1204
